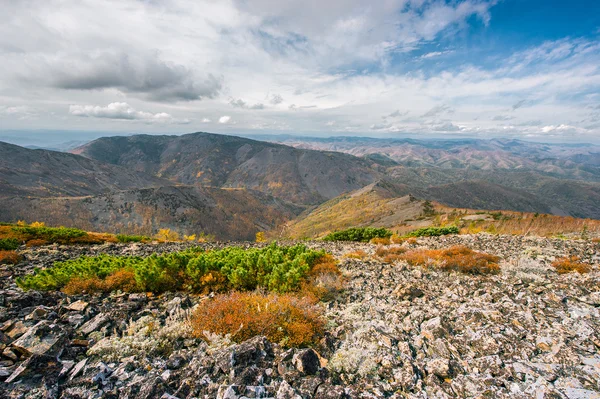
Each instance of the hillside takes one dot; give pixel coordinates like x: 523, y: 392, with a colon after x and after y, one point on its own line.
x: 381, y: 204
x: 228, y: 214
x: 295, y: 175
x: 72, y: 190
x: 574, y: 161
x: 43, y: 173
x: 475, y: 194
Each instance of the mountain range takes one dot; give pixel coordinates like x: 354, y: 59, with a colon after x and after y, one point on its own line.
x: 233, y: 187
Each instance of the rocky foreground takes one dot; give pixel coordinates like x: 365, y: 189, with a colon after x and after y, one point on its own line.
x: 396, y: 331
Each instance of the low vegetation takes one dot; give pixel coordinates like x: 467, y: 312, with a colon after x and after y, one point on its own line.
x: 457, y: 258
x: 8, y: 244
x: 9, y: 257
x: 274, y: 268
x: 37, y: 233
x: 570, y: 265
x: 283, y: 318
x: 358, y: 254
x: 364, y: 234
x: 124, y: 238
x: 434, y: 231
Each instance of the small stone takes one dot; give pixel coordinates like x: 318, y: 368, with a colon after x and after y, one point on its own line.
x: 16, y: 330
x: 78, y: 306
x: 285, y: 391
x: 78, y: 368
x: 10, y: 354
x: 38, y: 313
x: 307, y: 361
x: 439, y: 367
x: 94, y: 324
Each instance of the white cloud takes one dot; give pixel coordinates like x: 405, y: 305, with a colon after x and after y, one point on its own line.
x: 121, y: 111
x: 304, y: 71
x: 225, y: 119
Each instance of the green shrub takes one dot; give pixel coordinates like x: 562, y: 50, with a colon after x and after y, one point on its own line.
x: 358, y: 234
x: 433, y: 231
x: 8, y: 244
x: 53, y: 234
x: 275, y: 268
x: 124, y: 238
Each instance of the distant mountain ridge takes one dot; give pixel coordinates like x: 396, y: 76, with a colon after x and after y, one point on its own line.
x: 296, y: 175
x: 234, y: 187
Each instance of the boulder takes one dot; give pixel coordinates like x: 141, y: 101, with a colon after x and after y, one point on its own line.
x: 44, y: 338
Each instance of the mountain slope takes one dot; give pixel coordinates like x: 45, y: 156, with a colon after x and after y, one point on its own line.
x: 574, y: 161
x: 296, y: 175
x: 485, y: 195
x: 229, y: 214
x: 44, y: 173
x: 381, y: 204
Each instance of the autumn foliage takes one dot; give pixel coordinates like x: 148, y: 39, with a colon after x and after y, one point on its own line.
x: 283, y: 318
x: 570, y: 265
x: 457, y: 258
x: 9, y: 257
x: 121, y: 280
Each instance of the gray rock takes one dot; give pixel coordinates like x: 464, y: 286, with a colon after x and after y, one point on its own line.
x: 44, y: 338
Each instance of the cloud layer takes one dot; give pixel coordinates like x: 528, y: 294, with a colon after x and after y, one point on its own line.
x: 349, y: 67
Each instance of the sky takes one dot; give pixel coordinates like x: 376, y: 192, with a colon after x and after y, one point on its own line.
x: 525, y: 69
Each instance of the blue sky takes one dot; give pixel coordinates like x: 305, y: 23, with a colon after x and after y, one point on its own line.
x: 479, y: 68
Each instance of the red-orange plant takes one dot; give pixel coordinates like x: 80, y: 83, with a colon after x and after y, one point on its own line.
x: 285, y: 319
x: 9, y: 257
x: 570, y: 265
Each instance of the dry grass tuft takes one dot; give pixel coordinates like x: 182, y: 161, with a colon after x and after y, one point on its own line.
x: 324, y: 280
x: 570, y: 265
x: 286, y: 319
x: 36, y: 243
x: 9, y: 257
x: 358, y: 254
x: 457, y: 258
x: 391, y: 254
x: 122, y: 280
x: 380, y: 241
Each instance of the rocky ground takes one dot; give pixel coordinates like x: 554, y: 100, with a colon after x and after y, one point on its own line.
x: 396, y: 331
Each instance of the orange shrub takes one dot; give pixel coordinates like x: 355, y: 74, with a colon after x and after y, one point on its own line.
x: 286, y: 319
x: 324, y: 279
x: 123, y: 280
x: 570, y: 265
x: 457, y: 258
x: 380, y: 241
x: 465, y: 260
x: 358, y: 254
x: 423, y: 257
x: 9, y: 257
x: 80, y: 285
x: 396, y: 239
x: 383, y: 251
x: 36, y: 243
x: 390, y: 255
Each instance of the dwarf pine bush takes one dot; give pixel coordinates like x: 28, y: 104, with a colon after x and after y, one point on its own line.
x: 125, y: 238
x: 275, y: 268
x: 433, y: 231
x: 8, y: 244
x: 52, y: 234
x: 363, y: 234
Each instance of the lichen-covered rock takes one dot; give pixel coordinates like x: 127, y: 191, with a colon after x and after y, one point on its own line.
x: 396, y: 332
